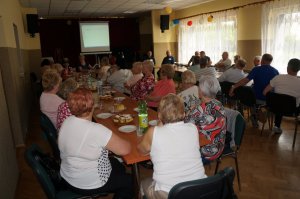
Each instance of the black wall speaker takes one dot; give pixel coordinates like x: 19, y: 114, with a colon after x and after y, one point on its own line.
x: 32, y: 24
x: 164, y: 22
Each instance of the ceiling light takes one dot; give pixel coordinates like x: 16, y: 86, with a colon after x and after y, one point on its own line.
x: 129, y: 12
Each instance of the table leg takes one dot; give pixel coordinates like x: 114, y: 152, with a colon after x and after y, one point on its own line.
x: 136, y: 179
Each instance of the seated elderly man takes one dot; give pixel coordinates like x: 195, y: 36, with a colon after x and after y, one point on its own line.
x: 118, y: 78
x: 261, y: 77
x: 235, y: 74
x: 145, y: 85
x: 224, y: 63
x: 203, y: 55
x: 191, y: 61
x: 169, y: 59
x: 286, y: 84
x: 256, y: 60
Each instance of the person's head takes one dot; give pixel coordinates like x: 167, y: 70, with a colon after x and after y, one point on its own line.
x: 171, y: 109
x: 266, y: 59
x: 203, y: 62
x: 197, y: 53
x: 104, y: 61
x: 137, y: 68
x: 58, y: 67
x: 256, y: 60
x: 149, y: 53
x: 293, y: 66
x: 167, y: 71
x: 45, y: 62
x: 240, y: 63
x: 225, y: 55
x: 147, y: 67
x: 236, y: 58
x: 168, y: 53
x: 208, y: 86
x: 202, y: 54
x: 67, y: 87
x: 188, y: 77
x: 65, y: 62
x: 113, y: 69
x: 196, y: 60
x: 81, y: 102
x: 51, y: 80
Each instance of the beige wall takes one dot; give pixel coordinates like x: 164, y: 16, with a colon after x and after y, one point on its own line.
x: 249, y: 24
x: 15, y: 95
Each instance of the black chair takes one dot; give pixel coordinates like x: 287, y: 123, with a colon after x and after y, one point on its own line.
x: 51, y: 134
x: 218, y: 186
x: 33, y: 158
x: 246, y: 98
x: 225, y: 88
x: 229, y: 151
x: 284, y: 105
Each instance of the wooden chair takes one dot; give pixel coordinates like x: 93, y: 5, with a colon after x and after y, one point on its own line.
x: 218, y: 186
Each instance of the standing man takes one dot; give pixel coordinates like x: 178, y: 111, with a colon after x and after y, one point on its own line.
x: 224, y: 63
x: 149, y: 56
x: 169, y: 59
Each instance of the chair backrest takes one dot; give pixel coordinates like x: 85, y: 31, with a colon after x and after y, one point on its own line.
x: 245, y: 95
x: 51, y: 134
x: 281, y: 103
x: 225, y: 87
x: 212, y: 187
x: 240, y: 126
x: 33, y: 159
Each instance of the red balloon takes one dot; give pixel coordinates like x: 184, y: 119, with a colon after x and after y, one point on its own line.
x: 189, y: 23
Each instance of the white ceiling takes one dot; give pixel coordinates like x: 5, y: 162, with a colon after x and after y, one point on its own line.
x: 103, y: 8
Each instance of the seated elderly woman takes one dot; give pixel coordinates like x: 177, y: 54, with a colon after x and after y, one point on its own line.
x: 104, y: 67
x: 181, y: 161
x: 209, y: 117
x: 49, y: 101
x: 144, y: 85
x: 136, y: 74
x: 63, y: 111
x: 84, y: 147
x: 189, y: 93
x: 163, y: 87
x: 118, y: 77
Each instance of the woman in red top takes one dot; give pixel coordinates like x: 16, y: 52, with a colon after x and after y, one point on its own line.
x: 163, y: 87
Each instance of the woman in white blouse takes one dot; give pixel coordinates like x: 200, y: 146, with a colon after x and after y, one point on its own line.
x: 84, y: 146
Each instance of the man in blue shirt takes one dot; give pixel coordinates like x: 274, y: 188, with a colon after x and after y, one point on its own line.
x: 261, y: 77
x: 169, y: 59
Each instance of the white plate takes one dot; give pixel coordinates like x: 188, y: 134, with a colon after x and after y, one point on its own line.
x: 127, y: 128
x: 119, y: 99
x: 104, y: 115
x: 153, y: 122
x: 136, y: 109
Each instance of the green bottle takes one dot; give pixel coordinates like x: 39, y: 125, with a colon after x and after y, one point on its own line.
x: 143, y: 116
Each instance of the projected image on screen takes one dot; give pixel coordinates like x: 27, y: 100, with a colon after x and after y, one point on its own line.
x: 94, y: 36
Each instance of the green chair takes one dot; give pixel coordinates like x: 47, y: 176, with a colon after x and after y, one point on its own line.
x: 51, y: 134
x: 218, y: 186
x: 228, y: 151
x: 33, y: 158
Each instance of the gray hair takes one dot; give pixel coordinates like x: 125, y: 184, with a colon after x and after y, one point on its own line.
x: 257, y: 57
x: 188, y: 77
x: 67, y: 87
x: 209, y: 86
x: 149, y: 64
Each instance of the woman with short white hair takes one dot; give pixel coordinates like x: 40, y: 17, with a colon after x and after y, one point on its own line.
x: 209, y: 117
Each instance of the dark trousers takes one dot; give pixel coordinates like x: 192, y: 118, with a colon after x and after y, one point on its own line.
x: 278, y: 118
x: 119, y: 182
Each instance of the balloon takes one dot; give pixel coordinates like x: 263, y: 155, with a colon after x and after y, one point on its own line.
x: 189, y: 23
x: 176, y: 21
x: 210, y: 18
x: 168, y: 9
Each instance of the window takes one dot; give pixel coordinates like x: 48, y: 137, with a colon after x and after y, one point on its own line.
x: 212, y: 37
x: 280, y: 32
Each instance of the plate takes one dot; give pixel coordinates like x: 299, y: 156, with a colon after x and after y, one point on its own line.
x: 119, y: 99
x: 104, y: 115
x: 153, y: 122
x: 136, y: 109
x: 127, y: 128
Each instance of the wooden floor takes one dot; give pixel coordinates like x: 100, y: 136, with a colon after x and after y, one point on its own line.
x: 269, y: 168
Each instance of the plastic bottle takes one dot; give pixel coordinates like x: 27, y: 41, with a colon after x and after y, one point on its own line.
x: 99, y: 87
x: 143, y: 116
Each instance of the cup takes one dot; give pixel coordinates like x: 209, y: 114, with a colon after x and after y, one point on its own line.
x: 139, y: 132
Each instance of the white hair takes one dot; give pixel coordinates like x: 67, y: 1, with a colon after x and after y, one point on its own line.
x: 149, y: 64
x: 209, y: 86
x: 257, y: 57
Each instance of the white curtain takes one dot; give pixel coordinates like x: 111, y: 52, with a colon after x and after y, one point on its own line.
x: 212, y: 37
x: 281, y: 31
